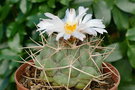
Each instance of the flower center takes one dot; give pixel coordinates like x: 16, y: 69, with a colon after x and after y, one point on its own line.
x: 70, y: 28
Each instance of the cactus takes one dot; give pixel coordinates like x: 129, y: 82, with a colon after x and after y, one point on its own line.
x: 70, y: 65
x: 74, y: 57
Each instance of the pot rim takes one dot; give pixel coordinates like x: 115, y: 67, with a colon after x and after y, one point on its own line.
x: 16, y: 73
x: 118, y: 76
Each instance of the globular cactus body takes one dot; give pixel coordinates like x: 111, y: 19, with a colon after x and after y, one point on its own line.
x: 69, y: 66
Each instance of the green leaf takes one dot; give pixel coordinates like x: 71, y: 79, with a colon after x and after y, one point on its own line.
x: 120, y: 19
x: 12, y: 29
x: 131, y: 34
x: 123, y: 48
x: 102, y: 11
x: 4, y: 55
x: 131, y: 55
x: 37, y: 1
x: 25, y: 6
x: 44, y: 8
x: 34, y: 19
x: 12, y: 79
x: 124, y: 69
x: 132, y: 1
x: 1, y: 32
x: 4, y: 83
x: 14, y: 63
x: 8, y: 57
x: 61, y: 12
x: 51, y: 3
x: 3, y: 66
x: 5, y: 51
x: 132, y: 21
x: 116, y: 54
x: 83, y: 2
x: 14, y: 1
x: 126, y: 6
x: 4, y: 11
x: 127, y: 87
x: 65, y: 2
x: 8, y: 54
x: 14, y: 44
x: 110, y: 3
x: 20, y: 18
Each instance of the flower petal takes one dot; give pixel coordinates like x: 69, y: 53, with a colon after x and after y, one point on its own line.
x: 79, y: 35
x: 59, y: 36
x: 70, y: 15
x: 43, y: 25
x: 50, y: 26
x: 80, y: 25
x: 87, y: 18
x: 90, y: 31
x: 49, y: 32
x: 67, y: 36
x: 100, y: 30
x: 54, y: 17
x: 51, y: 16
x: 82, y: 10
x: 95, y: 23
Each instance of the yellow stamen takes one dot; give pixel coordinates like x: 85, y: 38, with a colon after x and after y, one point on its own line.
x: 70, y: 28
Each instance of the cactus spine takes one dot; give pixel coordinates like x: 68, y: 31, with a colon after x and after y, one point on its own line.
x: 70, y: 65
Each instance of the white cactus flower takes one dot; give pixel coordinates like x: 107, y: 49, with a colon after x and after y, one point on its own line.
x: 72, y: 24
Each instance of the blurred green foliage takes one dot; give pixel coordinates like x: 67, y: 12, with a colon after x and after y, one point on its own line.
x: 17, y: 24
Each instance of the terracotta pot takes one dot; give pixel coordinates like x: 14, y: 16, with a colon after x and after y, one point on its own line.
x: 115, y: 75
x: 20, y: 70
x: 18, y: 74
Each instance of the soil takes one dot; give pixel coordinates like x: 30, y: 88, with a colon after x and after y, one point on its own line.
x: 30, y: 80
